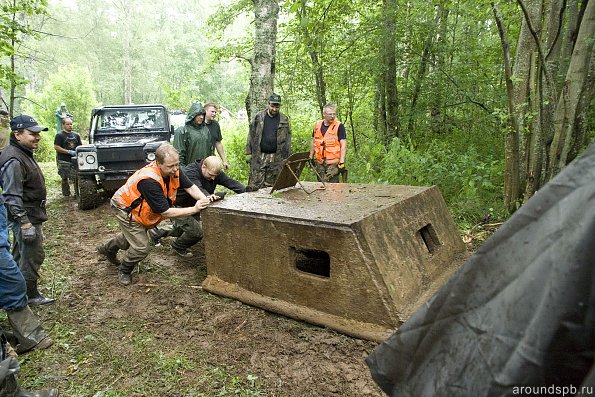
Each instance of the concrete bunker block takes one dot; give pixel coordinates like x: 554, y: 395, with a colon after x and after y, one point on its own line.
x: 355, y: 258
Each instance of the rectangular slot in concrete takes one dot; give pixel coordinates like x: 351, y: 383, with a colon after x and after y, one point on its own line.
x: 315, y: 262
x: 430, y: 238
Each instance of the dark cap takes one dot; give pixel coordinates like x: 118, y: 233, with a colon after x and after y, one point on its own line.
x: 275, y: 99
x: 26, y: 122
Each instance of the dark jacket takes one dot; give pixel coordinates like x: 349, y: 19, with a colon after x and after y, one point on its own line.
x: 23, y: 185
x: 194, y: 173
x: 255, y: 136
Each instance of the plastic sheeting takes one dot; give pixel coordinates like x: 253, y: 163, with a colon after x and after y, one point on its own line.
x: 518, y: 317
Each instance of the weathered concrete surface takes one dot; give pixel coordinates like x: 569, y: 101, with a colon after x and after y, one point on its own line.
x: 356, y: 258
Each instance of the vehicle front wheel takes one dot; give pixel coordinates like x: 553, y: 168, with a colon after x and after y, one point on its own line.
x: 87, y: 193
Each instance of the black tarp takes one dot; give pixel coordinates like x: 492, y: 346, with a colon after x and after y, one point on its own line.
x: 518, y: 313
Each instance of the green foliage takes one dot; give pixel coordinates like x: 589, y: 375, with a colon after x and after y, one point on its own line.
x: 15, y: 28
x: 470, y: 182
x: 72, y: 85
x: 235, y: 133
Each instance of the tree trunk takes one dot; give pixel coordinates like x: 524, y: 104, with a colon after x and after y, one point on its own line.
x: 390, y: 74
x: 266, y: 13
x: 570, y: 34
x: 551, y: 122
x: 313, y: 49
x: 437, y: 101
x: 127, y: 65
x: 381, y: 108
x: 421, y: 73
x: 13, y: 83
x: 574, y: 85
x: 511, y: 139
x: 350, y: 106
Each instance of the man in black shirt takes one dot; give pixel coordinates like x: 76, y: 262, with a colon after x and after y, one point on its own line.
x: 215, y: 129
x: 65, y: 144
x: 206, y: 174
x: 146, y: 199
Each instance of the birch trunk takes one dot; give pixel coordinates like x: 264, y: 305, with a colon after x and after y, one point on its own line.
x: 574, y: 87
x: 266, y: 13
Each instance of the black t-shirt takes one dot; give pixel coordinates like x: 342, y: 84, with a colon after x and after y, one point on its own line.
x: 215, y: 130
x: 268, y: 142
x: 194, y: 173
x: 67, y: 141
x: 151, y: 191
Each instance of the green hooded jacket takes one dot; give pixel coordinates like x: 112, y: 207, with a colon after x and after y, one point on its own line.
x: 193, y: 142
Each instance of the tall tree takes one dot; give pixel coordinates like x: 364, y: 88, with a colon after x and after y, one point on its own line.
x: 266, y: 13
x: 390, y: 70
x: 546, y: 114
x: 314, y: 47
x: 570, y: 107
x: 15, y: 28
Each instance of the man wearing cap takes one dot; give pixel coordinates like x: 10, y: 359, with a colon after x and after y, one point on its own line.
x: 24, y: 196
x: 61, y: 114
x: 329, y: 144
x: 193, y: 140
x: 268, y: 145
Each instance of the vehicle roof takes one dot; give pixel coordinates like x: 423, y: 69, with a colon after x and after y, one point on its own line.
x: 129, y: 106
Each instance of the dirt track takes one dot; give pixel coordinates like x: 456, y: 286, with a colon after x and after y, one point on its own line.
x: 164, y: 336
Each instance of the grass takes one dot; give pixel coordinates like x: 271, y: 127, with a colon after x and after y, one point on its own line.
x: 128, y: 356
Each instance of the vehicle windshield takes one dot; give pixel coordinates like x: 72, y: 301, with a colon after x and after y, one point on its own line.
x: 131, y: 119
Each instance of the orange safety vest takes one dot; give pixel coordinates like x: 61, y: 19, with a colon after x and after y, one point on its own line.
x: 327, y: 146
x: 128, y: 195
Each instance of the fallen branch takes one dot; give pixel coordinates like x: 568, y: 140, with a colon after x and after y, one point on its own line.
x: 168, y: 285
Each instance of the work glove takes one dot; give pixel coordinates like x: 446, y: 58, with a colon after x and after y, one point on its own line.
x: 341, y: 168
x: 28, y: 234
x: 313, y: 162
x: 248, y: 158
x: 72, y: 153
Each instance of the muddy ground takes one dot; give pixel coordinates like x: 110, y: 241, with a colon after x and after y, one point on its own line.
x: 164, y: 336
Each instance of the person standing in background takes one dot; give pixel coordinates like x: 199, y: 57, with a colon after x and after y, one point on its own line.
x: 65, y: 143
x: 61, y: 114
x: 215, y: 129
x: 329, y: 144
x: 268, y: 145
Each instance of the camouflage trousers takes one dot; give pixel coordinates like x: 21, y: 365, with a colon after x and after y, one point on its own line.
x: 187, y: 230
x: 66, y: 172
x: 267, y: 171
x: 328, y: 172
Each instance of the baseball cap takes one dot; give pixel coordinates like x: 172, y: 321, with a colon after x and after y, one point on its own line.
x: 26, y: 122
x: 275, y: 99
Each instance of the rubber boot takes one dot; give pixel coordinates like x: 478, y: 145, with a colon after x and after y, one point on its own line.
x: 125, y: 276
x: 65, y: 188
x: 35, y: 297
x: 109, y: 252
x: 28, y: 330
x: 9, y: 385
